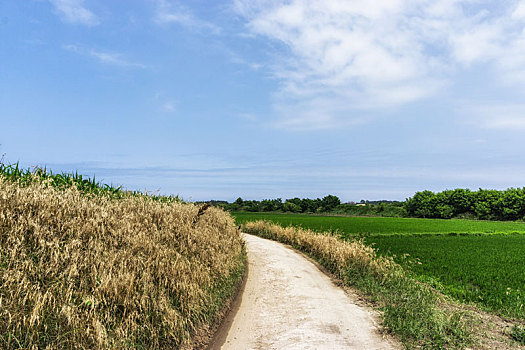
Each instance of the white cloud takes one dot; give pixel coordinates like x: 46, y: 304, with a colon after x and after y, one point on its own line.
x: 110, y: 58
x: 519, y: 11
x: 74, y: 11
x: 342, y: 59
x: 114, y: 59
x: 173, y: 12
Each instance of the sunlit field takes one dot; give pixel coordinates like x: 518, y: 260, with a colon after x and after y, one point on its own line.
x: 84, y: 265
x: 474, y: 261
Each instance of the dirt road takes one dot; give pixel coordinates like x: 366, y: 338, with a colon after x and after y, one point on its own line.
x: 288, y: 303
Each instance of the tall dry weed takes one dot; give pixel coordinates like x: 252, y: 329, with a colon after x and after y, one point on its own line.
x: 338, y: 255
x: 81, y: 271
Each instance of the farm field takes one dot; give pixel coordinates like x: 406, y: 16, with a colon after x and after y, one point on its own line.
x: 383, y: 225
x: 486, y: 269
x: 456, y: 256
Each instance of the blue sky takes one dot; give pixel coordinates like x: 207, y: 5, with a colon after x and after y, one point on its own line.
x: 264, y: 99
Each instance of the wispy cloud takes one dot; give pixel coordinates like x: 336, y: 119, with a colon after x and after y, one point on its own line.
x: 343, y: 59
x: 110, y: 58
x: 74, y: 11
x: 174, y: 12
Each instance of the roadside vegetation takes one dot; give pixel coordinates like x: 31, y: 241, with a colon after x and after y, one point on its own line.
x: 410, y: 309
x: 84, y: 265
x: 474, y: 262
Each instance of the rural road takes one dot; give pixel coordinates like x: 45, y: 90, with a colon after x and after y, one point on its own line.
x: 288, y: 303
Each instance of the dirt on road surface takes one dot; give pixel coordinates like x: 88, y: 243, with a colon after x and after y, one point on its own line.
x: 288, y: 303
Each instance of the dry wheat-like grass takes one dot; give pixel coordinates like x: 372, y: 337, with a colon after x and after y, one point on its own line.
x: 81, y: 271
x: 337, y: 254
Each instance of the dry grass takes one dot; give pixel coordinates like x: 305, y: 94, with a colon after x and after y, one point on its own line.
x: 410, y: 309
x: 81, y: 271
x: 334, y: 253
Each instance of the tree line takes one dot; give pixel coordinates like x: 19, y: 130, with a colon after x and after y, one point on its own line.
x: 328, y: 204
x: 482, y: 204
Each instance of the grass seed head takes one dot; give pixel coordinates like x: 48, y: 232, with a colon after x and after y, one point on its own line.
x: 96, y: 271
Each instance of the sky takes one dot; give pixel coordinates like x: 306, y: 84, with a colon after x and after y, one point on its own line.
x: 267, y: 98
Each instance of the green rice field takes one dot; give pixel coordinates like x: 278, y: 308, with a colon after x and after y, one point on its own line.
x: 384, y: 225
x: 473, y: 261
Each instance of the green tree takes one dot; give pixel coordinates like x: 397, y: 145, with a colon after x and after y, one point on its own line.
x: 330, y: 202
x: 421, y: 204
x: 291, y: 207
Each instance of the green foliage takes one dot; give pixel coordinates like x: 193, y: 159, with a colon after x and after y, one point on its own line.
x: 459, y: 203
x: 471, y: 260
x: 518, y: 334
x: 482, y: 204
x: 394, y: 209
x: 291, y: 207
x: 328, y: 204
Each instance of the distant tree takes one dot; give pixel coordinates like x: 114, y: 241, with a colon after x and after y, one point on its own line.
x: 485, y: 205
x: 330, y: 202
x: 461, y: 200
x: 291, y: 207
x: 421, y: 204
x: 271, y: 205
x: 295, y: 200
x: 278, y: 204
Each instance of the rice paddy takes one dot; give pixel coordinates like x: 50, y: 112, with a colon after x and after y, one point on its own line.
x: 481, y: 262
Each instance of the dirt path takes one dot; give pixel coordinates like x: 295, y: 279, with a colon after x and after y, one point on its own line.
x: 288, y: 303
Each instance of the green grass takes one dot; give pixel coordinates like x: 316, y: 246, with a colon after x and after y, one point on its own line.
x: 383, y: 225
x: 485, y: 269
x: 456, y: 256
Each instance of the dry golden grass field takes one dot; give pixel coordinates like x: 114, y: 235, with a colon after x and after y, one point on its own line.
x: 91, y: 271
